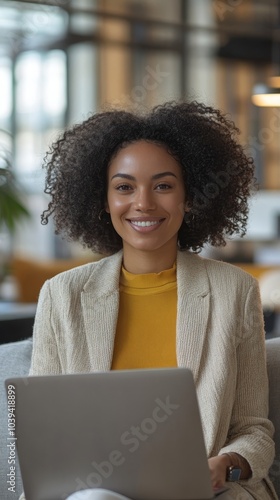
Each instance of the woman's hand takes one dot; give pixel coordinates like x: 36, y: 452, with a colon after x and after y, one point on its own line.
x: 218, y: 470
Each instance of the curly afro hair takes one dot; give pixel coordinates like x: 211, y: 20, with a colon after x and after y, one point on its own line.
x: 218, y: 176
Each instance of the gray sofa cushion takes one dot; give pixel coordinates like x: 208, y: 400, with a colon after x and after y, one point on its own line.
x: 273, y: 367
x: 14, y: 361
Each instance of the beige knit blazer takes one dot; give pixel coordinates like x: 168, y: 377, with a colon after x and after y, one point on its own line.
x: 219, y: 336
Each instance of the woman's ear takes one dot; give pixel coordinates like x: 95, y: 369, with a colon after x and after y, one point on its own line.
x: 187, y: 207
x: 106, y: 207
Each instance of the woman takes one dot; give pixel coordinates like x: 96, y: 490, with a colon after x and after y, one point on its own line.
x: 150, y: 191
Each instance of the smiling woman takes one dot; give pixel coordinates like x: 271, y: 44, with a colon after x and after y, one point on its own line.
x: 151, y: 190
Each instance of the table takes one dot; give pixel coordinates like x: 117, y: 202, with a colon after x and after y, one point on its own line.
x: 16, y: 321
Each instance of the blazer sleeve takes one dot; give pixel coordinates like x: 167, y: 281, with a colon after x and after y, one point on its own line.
x: 45, y: 357
x: 251, y: 432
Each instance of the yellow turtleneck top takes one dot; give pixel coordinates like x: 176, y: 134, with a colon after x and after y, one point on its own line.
x: 146, y: 328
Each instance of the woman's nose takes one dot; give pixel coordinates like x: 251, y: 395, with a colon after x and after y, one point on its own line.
x: 144, y: 200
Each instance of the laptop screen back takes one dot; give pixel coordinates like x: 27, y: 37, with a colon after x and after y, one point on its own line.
x: 137, y: 432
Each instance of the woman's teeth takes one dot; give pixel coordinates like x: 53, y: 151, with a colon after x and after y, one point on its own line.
x: 144, y: 223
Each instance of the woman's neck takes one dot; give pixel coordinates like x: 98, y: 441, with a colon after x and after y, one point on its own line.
x: 143, y: 262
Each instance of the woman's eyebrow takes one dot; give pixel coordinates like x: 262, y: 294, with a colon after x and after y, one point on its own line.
x: 124, y: 176
x: 154, y: 177
x: 163, y: 174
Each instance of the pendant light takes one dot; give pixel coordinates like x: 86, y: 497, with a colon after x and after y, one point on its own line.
x: 266, y: 95
x: 269, y: 95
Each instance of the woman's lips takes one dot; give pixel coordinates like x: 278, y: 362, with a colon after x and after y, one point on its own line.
x: 145, y: 225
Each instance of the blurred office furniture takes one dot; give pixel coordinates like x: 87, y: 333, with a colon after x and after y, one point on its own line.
x: 268, y: 277
x: 16, y: 321
x: 270, y: 296
x: 257, y: 270
x: 17, y: 317
x: 31, y: 274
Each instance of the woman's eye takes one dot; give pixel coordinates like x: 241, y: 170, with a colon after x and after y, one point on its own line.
x: 123, y: 187
x: 163, y: 186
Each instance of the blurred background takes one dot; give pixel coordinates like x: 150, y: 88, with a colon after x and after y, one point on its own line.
x: 61, y: 60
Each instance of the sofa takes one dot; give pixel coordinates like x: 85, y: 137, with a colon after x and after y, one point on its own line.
x: 15, y: 361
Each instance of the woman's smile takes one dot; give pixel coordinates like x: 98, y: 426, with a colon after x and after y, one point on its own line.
x: 145, y: 225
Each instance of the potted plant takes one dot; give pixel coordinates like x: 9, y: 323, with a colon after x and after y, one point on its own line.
x: 12, y: 207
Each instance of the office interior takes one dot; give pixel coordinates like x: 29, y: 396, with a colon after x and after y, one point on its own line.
x: 62, y: 60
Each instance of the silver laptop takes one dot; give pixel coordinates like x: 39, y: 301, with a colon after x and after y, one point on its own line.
x: 136, y: 432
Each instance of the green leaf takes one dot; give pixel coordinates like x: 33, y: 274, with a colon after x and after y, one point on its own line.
x: 11, y: 207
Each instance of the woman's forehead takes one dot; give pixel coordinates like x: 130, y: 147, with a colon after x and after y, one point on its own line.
x: 144, y: 155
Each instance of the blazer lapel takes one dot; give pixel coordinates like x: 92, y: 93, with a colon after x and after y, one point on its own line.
x: 192, y: 310
x: 100, y: 305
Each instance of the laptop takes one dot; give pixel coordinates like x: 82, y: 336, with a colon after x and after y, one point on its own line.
x: 136, y: 432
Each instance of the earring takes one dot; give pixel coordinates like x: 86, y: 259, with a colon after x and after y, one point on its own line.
x: 188, y: 217
x: 101, y: 218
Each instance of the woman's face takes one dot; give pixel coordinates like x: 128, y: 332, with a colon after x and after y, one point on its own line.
x: 146, y: 197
